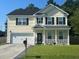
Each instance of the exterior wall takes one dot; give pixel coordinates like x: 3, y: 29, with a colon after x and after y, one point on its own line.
x: 13, y: 28
x: 50, y: 41
x: 54, y: 13
x: 63, y: 41
x: 20, y: 37
x: 51, y: 11
x: 54, y: 39
x: 20, y: 28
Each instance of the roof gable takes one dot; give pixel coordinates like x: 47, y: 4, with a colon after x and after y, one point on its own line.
x: 48, y: 7
x: 34, y: 10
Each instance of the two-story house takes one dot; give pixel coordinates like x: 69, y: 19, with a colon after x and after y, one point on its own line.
x: 46, y: 26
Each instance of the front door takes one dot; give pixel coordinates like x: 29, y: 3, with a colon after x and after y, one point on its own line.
x: 39, y: 38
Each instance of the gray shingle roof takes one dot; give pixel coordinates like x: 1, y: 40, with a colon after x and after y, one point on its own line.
x: 57, y: 27
x: 39, y: 26
x: 26, y: 11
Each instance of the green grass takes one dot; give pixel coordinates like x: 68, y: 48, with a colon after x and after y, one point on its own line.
x: 52, y: 52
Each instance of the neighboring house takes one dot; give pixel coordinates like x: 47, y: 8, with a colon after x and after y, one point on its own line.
x: 46, y: 26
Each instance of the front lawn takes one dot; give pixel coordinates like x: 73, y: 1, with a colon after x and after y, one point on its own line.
x: 52, y: 52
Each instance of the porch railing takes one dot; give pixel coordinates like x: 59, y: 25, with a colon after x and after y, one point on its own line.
x: 61, y: 41
x: 50, y: 41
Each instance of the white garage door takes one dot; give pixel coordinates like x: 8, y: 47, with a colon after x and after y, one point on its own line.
x: 21, y: 38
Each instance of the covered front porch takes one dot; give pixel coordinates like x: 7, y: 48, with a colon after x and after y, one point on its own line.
x: 52, y: 36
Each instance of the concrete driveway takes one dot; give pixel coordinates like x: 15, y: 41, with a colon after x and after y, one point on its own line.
x: 9, y: 51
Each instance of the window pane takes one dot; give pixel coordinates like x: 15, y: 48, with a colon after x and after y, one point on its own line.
x: 60, y: 34
x: 50, y: 20
x: 24, y: 21
x: 39, y: 20
x: 49, y: 35
x: 21, y: 21
x: 60, y: 20
x: 60, y: 37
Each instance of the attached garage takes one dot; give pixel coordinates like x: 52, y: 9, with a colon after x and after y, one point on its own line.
x: 20, y: 37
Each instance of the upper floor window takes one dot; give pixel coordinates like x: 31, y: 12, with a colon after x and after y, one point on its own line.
x: 61, y: 20
x: 49, y: 20
x: 22, y: 21
x: 39, y: 20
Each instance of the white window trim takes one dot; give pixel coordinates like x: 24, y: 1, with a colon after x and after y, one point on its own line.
x: 49, y: 21
x: 40, y: 21
x: 61, y: 21
x: 22, y: 20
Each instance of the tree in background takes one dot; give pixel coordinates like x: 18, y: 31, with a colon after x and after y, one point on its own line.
x: 51, y: 2
x: 31, y: 5
x: 75, y: 21
x: 72, y: 7
x: 68, y: 6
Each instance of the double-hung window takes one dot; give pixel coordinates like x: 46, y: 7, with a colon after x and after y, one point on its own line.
x: 49, y: 35
x: 60, y: 20
x: 39, y: 20
x: 22, y: 21
x: 49, y: 20
x: 60, y: 35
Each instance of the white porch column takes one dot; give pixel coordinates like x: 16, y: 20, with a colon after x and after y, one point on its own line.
x: 43, y: 20
x: 56, y: 36
x: 55, y: 21
x: 68, y: 40
x: 66, y: 21
x: 35, y: 35
x: 43, y: 37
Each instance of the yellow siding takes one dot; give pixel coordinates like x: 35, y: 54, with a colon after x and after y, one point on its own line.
x: 20, y: 28
x: 56, y: 13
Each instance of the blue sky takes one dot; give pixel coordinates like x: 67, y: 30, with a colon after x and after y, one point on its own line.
x: 7, y: 6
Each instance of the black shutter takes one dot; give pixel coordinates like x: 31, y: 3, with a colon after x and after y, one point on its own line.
x: 57, y: 20
x: 42, y: 20
x: 52, y: 20
x: 46, y: 20
x: 37, y: 20
x: 63, y: 20
x: 27, y: 21
x: 17, y: 21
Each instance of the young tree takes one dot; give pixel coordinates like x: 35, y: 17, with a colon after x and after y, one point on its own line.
x: 72, y: 7
x: 51, y: 2
x: 31, y: 5
x: 75, y: 21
